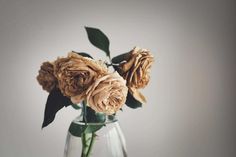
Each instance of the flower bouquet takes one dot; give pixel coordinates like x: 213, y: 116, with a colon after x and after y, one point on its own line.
x: 99, y: 89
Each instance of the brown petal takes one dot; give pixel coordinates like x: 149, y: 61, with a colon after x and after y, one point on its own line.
x: 128, y: 64
x: 137, y: 95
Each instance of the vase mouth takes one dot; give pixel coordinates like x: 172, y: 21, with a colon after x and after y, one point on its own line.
x: 109, y: 119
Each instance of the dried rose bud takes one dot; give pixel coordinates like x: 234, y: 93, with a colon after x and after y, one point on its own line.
x: 46, y: 77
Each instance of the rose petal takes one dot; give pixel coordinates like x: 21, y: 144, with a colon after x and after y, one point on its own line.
x: 137, y: 95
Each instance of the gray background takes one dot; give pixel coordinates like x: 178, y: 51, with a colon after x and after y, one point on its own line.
x: 191, y: 96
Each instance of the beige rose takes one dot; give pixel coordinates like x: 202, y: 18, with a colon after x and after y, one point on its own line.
x: 76, y: 73
x: 135, y: 69
x: 46, y: 77
x: 107, y: 94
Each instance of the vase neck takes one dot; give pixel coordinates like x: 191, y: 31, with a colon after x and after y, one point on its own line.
x: 88, y: 115
x: 95, y: 118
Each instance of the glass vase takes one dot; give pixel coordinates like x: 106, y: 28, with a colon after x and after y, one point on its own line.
x: 99, y: 140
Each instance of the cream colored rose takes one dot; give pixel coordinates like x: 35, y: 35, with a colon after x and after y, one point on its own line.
x: 135, y: 69
x: 107, y: 94
x: 76, y: 73
x: 46, y: 77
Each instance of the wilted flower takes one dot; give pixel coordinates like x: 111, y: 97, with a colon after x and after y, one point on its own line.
x: 135, y: 69
x: 107, y: 94
x: 76, y: 73
x: 46, y: 77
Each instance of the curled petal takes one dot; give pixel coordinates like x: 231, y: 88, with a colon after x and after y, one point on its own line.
x: 137, y: 95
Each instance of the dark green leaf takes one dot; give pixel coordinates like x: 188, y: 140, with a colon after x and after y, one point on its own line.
x: 98, y: 39
x: 55, y: 102
x: 76, y: 129
x: 132, y: 102
x: 120, y: 58
x: 84, y: 54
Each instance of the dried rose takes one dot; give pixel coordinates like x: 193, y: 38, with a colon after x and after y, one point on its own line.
x: 135, y: 69
x: 76, y: 73
x: 46, y: 77
x: 107, y: 94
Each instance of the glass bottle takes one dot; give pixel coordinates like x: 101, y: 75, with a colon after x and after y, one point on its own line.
x: 104, y: 139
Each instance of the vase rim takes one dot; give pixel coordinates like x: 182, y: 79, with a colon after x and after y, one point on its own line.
x: 109, y: 119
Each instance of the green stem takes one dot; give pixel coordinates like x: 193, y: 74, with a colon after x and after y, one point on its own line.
x: 83, y: 140
x: 87, y: 139
x: 83, y: 135
x: 91, y: 144
x: 84, y: 112
x: 87, y: 144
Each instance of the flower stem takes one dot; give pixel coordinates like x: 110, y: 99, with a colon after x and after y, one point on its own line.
x: 84, y: 112
x: 83, y: 135
x: 88, y: 140
x: 91, y: 144
x: 84, y: 145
